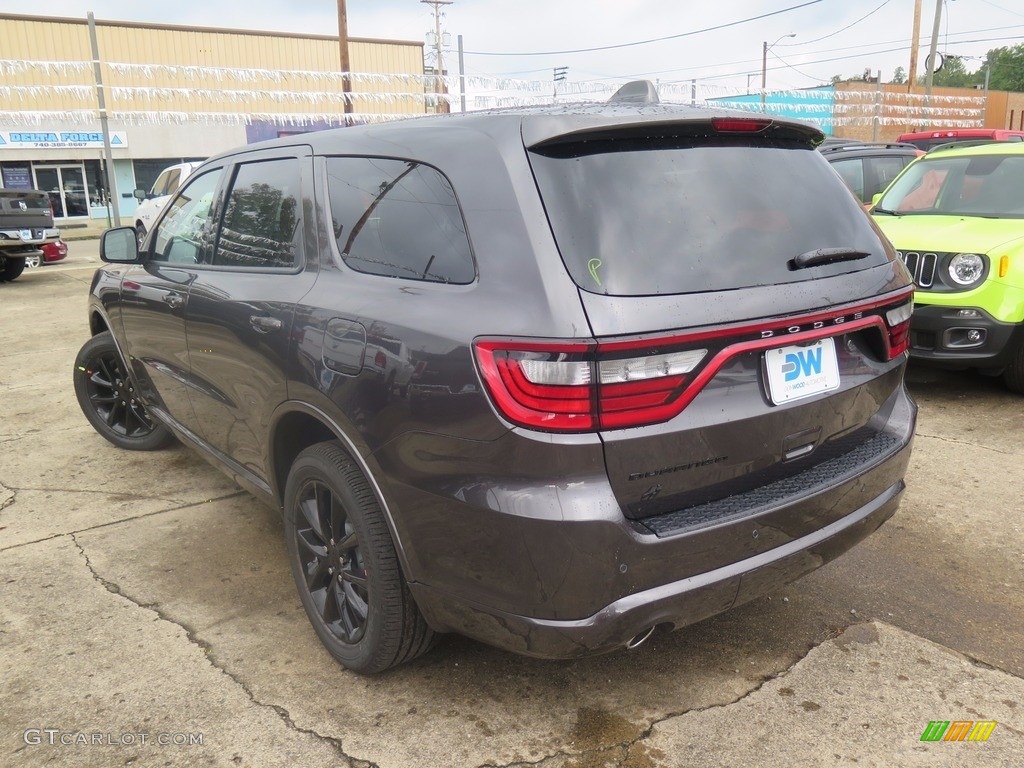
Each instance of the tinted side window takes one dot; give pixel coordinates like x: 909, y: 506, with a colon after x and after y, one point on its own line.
x: 261, y: 216
x: 185, y: 234
x: 887, y: 169
x: 852, y: 171
x: 398, y: 219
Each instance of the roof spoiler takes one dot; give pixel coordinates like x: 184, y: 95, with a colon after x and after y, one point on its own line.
x: 636, y: 92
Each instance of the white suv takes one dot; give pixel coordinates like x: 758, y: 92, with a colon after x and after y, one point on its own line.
x: 167, y: 183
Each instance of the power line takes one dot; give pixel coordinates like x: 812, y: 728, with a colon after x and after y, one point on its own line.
x: 645, y: 42
x: 833, y: 34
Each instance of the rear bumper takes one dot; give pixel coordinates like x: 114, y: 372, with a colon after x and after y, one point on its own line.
x: 675, y: 604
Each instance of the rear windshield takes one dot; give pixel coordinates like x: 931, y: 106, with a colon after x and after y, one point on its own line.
x: 643, y: 217
x: 964, y: 185
x: 19, y: 202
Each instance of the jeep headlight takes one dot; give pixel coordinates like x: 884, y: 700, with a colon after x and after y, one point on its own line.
x: 966, y: 268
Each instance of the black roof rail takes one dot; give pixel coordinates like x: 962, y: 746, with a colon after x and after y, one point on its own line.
x: 969, y: 143
x: 636, y: 92
x: 853, y: 146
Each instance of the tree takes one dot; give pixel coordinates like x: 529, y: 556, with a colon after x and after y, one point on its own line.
x: 954, y: 74
x: 1007, y: 68
x: 899, y: 76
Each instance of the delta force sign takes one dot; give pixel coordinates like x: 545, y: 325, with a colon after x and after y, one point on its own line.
x: 46, y: 139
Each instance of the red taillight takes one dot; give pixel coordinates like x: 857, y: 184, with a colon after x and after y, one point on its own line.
x: 576, y: 387
x: 379, y: 359
x: 585, y: 386
x: 739, y: 124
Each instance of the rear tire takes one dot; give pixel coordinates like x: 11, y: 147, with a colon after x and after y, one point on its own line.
x: 106, y: 396
x: 1013, y: 375
x: 345, y: 566
x: 31, y: 262
x: 11, y: 269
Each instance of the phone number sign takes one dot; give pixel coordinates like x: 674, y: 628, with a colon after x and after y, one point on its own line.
x: 59, y: 139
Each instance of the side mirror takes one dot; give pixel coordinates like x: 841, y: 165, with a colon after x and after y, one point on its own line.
x: 120, y: 246
x: 875, y: 198
x: 139, y: 194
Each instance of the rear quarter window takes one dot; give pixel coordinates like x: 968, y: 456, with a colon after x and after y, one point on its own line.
x: 644, y: 217
x: 399, y: 219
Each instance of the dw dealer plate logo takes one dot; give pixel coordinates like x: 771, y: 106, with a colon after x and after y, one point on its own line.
x: 800, y: 371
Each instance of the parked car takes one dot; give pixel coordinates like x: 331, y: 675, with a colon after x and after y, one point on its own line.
x: 868, y: 168
x: 956, y: 216
x: 26, y: 225
x: 655, y: 363
x: 928, y: 140
x: 152, y: 202
x: 48, y: 253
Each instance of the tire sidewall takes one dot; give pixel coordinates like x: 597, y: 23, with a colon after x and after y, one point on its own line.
x: 309, y: 466
x: 98, y: 345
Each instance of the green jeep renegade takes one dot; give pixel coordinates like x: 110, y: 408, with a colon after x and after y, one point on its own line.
x: 956, y: 217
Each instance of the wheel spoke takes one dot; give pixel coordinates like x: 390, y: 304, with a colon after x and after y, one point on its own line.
x: 112, y: 417
x: 338, y: 519
x: 308, y: 507
x: 349, y: 540
x: 356, y: 603
x: 97, y: 379
x: 97, y: 398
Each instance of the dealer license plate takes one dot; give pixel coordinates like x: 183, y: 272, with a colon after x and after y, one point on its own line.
x: 801, y: 370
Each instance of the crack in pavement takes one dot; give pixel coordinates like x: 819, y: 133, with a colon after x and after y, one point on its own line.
x: 143, y: 516
x: 953, y: 440
x: 207, y: 650
x: 628, y: 744
x: 10, y: 500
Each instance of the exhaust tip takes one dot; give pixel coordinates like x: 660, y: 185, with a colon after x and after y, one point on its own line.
x: 640, y: 638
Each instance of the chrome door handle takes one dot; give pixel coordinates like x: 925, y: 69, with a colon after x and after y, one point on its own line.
x: 173, y: 300
x: 264, y: 323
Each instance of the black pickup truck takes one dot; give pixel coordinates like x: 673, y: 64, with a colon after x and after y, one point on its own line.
x: 26, y: 224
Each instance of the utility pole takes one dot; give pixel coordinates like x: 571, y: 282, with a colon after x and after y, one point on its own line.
x: 931, y: 61
x: 346, y: 66
x: 108, y: 156
x: 438, y: 83
x: 560, y: 74
x: 914, y: 40
x: 462, y: 77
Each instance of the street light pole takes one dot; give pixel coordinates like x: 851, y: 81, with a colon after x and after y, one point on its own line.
x: 764, y: 64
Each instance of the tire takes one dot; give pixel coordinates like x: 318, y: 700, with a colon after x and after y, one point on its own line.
x: 106, y: 396
x: 140, y: 232
x: 345, y: 567
x: 1013, y: 375
x: 31, y: 262
x: 11, y: 269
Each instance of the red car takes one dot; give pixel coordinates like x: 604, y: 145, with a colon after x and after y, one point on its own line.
x: 51, y: 252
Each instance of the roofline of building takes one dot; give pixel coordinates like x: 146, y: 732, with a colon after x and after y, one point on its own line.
x: 185, y: 28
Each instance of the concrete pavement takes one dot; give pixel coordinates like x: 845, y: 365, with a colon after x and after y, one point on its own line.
x: 144, y: 594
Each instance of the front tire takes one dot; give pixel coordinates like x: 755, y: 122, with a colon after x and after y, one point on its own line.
x: 1013, y: 375
x: 106, y: 395
x: 345, y: 566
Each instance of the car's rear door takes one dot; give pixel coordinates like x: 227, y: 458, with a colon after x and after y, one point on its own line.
x: 735, y: 352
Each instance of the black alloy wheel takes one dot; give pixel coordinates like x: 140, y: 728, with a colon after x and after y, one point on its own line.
x: 108, y: 399
x: 345, y: 565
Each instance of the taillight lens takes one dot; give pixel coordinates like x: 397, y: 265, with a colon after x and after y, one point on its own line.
x: 898, y: 322
x: 585, y: 386
x: 380, y: 360
x: 574, y: 387
x: 739, y: 124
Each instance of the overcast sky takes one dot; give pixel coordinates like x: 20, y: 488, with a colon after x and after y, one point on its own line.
x: 833, y: 37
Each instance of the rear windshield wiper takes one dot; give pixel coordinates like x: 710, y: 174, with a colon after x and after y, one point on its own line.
x: 826, y: 256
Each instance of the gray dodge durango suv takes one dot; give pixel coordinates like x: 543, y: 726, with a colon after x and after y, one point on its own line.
x: 551, y: 378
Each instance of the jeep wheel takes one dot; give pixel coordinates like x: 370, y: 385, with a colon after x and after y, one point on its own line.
x: 345, y: 567
x: 31, y: 262
x: 1013, y: 376
x: 11, y: 269
x: 107, y: 398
